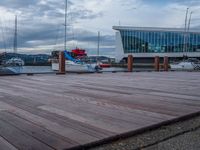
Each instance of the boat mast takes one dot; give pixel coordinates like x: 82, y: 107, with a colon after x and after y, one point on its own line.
x: 98, y: 46
x: 65, y: 44
x: 3, y: 36
x: 15, y: 36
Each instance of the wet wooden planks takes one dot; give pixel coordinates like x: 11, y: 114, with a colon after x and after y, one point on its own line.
x: 60, y: 112
x: 4, y: 145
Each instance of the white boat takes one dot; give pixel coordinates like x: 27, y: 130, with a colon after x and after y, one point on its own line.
x: 10, y: 70
x: 12, y: 67
x: 15, y: 62
x: 189, y: 64
x: 71, y: 66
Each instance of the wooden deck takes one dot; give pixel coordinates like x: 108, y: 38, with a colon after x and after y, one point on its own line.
x: 46, y: 112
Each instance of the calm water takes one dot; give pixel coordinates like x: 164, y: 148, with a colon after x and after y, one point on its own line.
x: 36, y: 69
x: 47, y: 69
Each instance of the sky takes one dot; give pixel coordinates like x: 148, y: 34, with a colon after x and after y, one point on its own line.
x: 41, y: 22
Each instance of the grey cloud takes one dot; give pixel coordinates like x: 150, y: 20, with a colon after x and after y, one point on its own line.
x: 85, y: 14
x: 17, y: 3
x: 41, y: 24
x: 188, y: 2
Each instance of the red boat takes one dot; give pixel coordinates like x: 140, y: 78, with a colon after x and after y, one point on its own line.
x: 105, y: 65
x: 79, y: 52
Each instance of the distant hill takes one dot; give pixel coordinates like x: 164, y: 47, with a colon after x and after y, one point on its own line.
x: 38, y: 59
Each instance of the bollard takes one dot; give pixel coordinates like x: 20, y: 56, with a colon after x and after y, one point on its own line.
x: 130, y: 63
x: 157, y: 63
x: 61, y: 63
x: 166, y: 64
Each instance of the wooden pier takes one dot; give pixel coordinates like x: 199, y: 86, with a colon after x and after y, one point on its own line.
x: 48, y: 112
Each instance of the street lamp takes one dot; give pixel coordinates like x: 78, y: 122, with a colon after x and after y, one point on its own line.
x: 189, y: 22
x: 186, y: 19
x: 185, y: 34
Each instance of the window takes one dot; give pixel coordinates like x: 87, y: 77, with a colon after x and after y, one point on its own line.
x: 138, y: 41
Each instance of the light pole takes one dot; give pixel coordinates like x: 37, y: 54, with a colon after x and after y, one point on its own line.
x: 186, y: 19
x: 185, y: 33
x: 190, y: 19
x: 188, y: 30
x: 189, y: 22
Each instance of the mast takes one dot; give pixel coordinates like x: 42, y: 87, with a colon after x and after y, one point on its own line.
x: 98, y: 46
x: 3, y: 36
x: 15, y: 36
x: 65, y: 44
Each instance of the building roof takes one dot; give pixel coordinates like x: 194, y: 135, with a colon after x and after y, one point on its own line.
x: 192, y: 30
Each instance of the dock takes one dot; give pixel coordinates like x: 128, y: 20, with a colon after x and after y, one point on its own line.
x: 81, y: 111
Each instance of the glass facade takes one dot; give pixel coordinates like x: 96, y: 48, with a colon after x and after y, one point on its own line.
x: 136, y: 41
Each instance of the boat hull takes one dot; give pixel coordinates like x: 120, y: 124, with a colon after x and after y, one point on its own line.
x: 10, y: 71
x: 185, y: 66
x: 75, y: 67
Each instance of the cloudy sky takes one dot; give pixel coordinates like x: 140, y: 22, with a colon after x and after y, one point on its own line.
x: 41, y: 22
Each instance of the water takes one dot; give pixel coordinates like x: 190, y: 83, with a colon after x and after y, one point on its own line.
x: 36, y: 69
x: 114, y: 69
x: 47, y: 69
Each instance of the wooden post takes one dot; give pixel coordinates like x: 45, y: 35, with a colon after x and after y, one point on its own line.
x: 166, y: 64
x: 61, y: 63
x: 130, y: 63
x: 157, y: 63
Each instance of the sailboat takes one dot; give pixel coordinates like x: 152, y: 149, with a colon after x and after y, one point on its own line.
x: 72, y: 64
x: 14, y: 65
x: 186, y: 63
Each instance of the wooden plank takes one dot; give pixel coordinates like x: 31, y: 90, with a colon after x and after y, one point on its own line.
x: 65, y: 131
x: 19, y: 139
x: 104, y: 122
x: 45, y: 136
x: 5, y: 145
x: 67, y: 122
x: 89, y: 108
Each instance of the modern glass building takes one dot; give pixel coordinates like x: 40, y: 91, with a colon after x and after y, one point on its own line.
x: 150, y: 42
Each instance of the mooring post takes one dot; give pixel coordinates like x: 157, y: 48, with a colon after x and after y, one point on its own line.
x: 61, y: 63
x: 157, y: 63
x: 130, y: 63
x: 166, y: 64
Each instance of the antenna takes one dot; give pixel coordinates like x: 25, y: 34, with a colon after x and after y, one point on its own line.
x: 65, y: 45
x: 15, y: 36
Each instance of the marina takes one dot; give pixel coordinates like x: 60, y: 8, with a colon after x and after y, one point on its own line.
x: 81, y: 111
